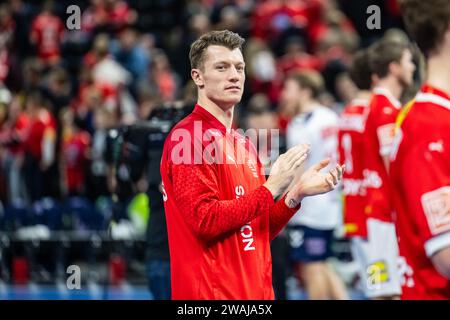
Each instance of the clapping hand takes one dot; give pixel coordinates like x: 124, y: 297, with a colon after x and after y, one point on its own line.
x: 313, y: 182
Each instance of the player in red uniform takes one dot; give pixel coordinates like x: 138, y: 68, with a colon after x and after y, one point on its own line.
x: 74, y: 146
x: 39, y: 144
x: 351, y: 146
x: 391, y: 62
x: 221, y: 213
x: 420, y: 160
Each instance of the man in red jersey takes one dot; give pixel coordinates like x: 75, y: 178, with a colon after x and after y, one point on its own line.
x: 351, y: 147
x: 391, y: 62
x: 221, y: 214
x: 39, y: 144
x: 420, y: 159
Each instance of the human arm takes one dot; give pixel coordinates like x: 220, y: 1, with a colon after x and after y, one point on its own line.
x: 313, y: 182
x: 441, y: 261
x: 197, y: 190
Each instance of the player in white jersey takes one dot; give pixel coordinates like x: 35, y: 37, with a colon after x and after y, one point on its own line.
x: 311, y: 231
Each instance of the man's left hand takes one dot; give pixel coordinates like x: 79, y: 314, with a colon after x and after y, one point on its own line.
x: 313, y: 182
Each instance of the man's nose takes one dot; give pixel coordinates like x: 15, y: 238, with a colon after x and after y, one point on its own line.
x: 234, y: 74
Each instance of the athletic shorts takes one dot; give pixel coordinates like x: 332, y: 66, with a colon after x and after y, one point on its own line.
x: 308, y: 244
x: 378, y: 260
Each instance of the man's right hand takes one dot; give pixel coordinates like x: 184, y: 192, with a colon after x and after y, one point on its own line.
x: 285, y: 168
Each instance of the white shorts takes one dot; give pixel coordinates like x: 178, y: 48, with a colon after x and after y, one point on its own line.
x: 378, y: 260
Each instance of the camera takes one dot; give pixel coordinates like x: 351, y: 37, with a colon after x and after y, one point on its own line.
x: 135, y: 150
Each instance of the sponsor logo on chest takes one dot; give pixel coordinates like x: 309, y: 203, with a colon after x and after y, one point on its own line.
x: 246, y: 231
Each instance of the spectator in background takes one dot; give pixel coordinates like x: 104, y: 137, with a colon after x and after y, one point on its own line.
x: 332, y: 20
x: 5, y: 99
x: 91, y: 100
x: 335, y: 68
x: 109, y: 16
x: 21, y: 14
x: 296, y: 58
x: 148, y: 101
x: 13, y: 133
x: 46, y: 35
x: 73, y: 155
x: 345, y: 90
x: 311, y: 229
x: 162, y: 78
x: 287, y: 108
x: 131, y: 56
x: 97, y: 182
x: 57, y: 89
x: 231, y: 18
x: 32, y: 74
x: 197, y: 25
x: 39, y: 146
x: 7, y: 28
x: 99, y: 49
x: 261, y: 118
x: 112, y: 80
x: 262, y: 71
x: 108, y: 74
x: 275, y: 20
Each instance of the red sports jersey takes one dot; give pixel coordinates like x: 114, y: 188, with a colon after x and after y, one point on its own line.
x: 19, y: 130
x: 40, y: 128
x: 220, y: 219
x: 73, y: 149
x: 420, y: 175
x: 47, y: 30
x: 351, y: 146
x: 379, y: 135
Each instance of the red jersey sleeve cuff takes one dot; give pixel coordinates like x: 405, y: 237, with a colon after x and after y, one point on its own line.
x: 267, y: 195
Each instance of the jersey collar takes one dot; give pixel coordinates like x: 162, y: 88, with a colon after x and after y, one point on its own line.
x: 429, y: 93
x: 426, y: 88
x: 360, y: 102
x: 385, y: 92
x: 209, y: 117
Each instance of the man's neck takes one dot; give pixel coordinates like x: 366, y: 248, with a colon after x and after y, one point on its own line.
x: 392, y: 85
x: 438, y: 74
x: 309, y: 106
x: 363, y: 95
x: 224, y: 116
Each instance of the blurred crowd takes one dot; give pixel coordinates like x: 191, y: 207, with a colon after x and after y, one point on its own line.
x: 61, y: 89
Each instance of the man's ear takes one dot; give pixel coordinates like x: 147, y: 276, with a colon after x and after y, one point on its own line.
x: 394, y: 67
x: 374, y: 79
x: 197, y: 76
